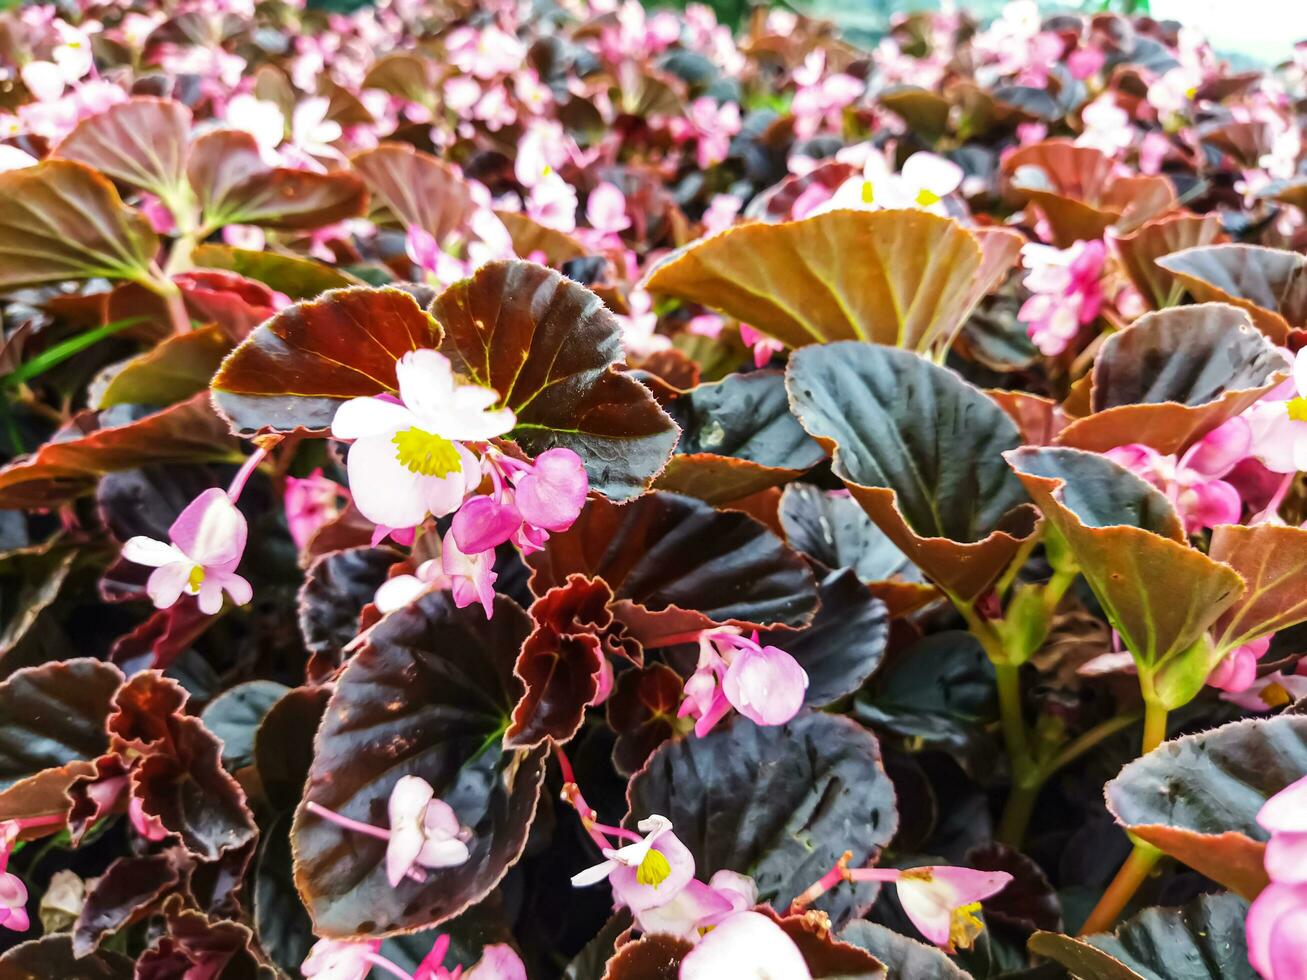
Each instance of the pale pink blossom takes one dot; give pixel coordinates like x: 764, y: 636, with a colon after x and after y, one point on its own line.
x: 471, y: 576
x: 485, y: 52
x: 943, y: 902
x: 647, y: 873
x: 498, y: 961
x: 745, y: 946
x: 1107, y: 127
x: 1279, y: 423
x: 699, y: 907
x: 399, y: 590
x: 639, y: 327
x: 721, y: 213
x: 205, y: 544
x: 924, y: 182
x: 310, y: 503
x: 605, y: 209
x: 1277, y: 921
x: 260, y: 118
x: 765, y: 684
x: 763, y: 346
x: 408, y: 457
x: 423, y: 831
x: 339, y: 959
x: 1270, y: 691
x: 1067, y: 292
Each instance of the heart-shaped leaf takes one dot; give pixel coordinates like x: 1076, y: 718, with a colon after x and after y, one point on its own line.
x: 905, y: 958
x: 1172, y: 376
x: 1197, y: 797
x: 418, y: 189
x: 298, y: 278
x: 142, y: 142
x: 1204, y: 940
x: 1140, y: 250
x: 1158, y: 593
x: 235, y: 186
x: 833, y: 529
x: 737, y: 437
x: 917, y: 278
x: 1271, y: 284
x: 429, y: 695
x: 675, y: 564
x: 642, y: 711
x: 778, y: 803
x: 96, y: 444
x: 546, y: 344
x: 52, y: 720
x: 843, y: 645
x: 1271, y: 558
x: 61, y: 220
x: 549, y: 346
x: 920, y: 450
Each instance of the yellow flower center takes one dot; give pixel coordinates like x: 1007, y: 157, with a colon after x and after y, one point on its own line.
x: 868, y: 192
x: 1275, y: 696
x: 197, y: 578
x: 653, y: 870
x: 965, y: 925
x: 926, y: 198
x: 1297, y: 409
x: 425, y: 453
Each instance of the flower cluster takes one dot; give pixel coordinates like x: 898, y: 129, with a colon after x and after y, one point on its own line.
x: 1277, y: 921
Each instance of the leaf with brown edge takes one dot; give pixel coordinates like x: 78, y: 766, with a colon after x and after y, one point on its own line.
x: 94, y: 445
x: 283, y: 744
x: 60, y: 220
x: 142, y: 143
x: 1272, y: 559
x: 128, y: 891
x: 826, y: 954
x: 676, y: 564
x: 179, y: 777
x: 197, y: 945
x: 1140, y: 250
x: 1158, y: 593
x: 175, y: 369
x: 1271, y: 284
x: 531, y: 237
x: 1173, y: 376
x: 905, y: 958
x: 737, y: 437
x: 295, y: 370
x: 654, y: 957
x: 1079, y: 191
x: 297, y: 277
x: 920, y: 450
x: 336, y: 588
x: 235, y: 186
x: 429, y: 695
x: 1197, y: 797
x: 642, y: 711
x: 234, y: 303
x: 1294, y: 193
x: 550, y: 347
x: 52, y: 730
x: 418, y: 189
x: 917, y: 278
x: 560, y: 662
x: 52, y: 956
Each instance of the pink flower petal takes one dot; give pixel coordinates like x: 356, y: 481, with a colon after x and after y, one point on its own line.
x: 766, y: 685
x: 637, y: 897
x: 211, y: 530
x: 483, y: 523
x: 551, y: 494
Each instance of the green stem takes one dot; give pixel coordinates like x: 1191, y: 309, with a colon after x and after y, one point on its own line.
x: 1083, y: 743
x: 1012, y: 716
x: 1017, y: 812
x: 1154, y: 726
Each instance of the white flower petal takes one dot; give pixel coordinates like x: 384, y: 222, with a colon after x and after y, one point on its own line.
x: 426, y: 384
x: 360, y: 417
x: 385, y: 491
x: 591, y: 876
x: 148, y: 551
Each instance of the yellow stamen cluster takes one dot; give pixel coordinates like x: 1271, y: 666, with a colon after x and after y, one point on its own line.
x: 1297, y: 409
x: 868, y: 192
x: 1275, y: 696
x: 422, y: 452
x: 196, y: 578
x: 965, y: 925
x: 926, y: 198
x: 653, y: 870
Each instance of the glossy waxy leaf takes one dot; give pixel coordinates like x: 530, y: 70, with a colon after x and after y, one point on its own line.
x: 53, y: 956
x: 430, y: 694
x: 778, y: 803
x: 174, y: 370
x: 234, y: 716
x: 298, y: 278
x: 1197, y: 797
x: 1173, y: 376
x: 917, y: 279
x: 417, y: 188
x: 336, y: 588
x: 1271, y: 558
x: 737, y: 437
x: 1271, y: 284
x: 1140, y: 250
x: 142, y: 142
x: 676, y: 564
x: 920, y: 450
x: 905, y: 958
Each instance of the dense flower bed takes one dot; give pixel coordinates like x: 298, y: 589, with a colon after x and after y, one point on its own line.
x: 503, y: 490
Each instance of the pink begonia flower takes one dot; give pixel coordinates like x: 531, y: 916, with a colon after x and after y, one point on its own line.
x: 765, y: 684
x: 1153, y: 151
x: 485, y: 52
x: 923, y: 183
x: 499, y: 961
x: 1277, y: 922
x: 1172, y: 93
x: 13, y: 893
x: 721, y: 213
x: 340, y: 959
x: 941, y: 901
x: 399, y: 590
x: 1066, y: 292
x: 1271, y: 691
x: 1085, y: 62
x: 639, y: 327
x: 249, y: 237
x: 310, y: 503
x: 471, y: 577
x: 699, y: 907
x: 605, y: 209
x: 1192, y: 482
x: 763, y: 346
x: 205, y: 545
x: 552, y: 202
x: 745, y: 946
x: 1279, y: 422
x: 1237, y: 670
x: 1107, y: 127
x: 407, y: 459
x: 647, y: 873
x: 312, y: 132
x: 147, y: 825
x: 423, y: 830
x: 262, y: 119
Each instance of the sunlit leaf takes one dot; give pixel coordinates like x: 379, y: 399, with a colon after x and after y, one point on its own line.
x: 1271, y: 284
x: 142, y: 142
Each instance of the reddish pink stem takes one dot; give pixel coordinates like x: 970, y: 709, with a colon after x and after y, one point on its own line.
x: 355, y: 825
x: 376, y: 959
x: 674, y: 639
x: 621, y: 832
x: 572, y: 795
x: 243, y: 474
